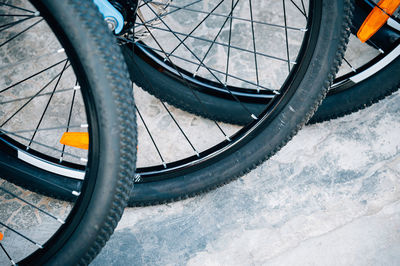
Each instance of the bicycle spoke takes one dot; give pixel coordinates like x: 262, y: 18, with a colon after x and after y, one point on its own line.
x: 286, y: 34
x: 176, y: 123
x: 59, y: 51
x: 39, y: 95
x: 14, y: 15
x: 47, y: 129
x: 229, y: 47
x: 348, y: 63
x: 171, y: 12
x: 235, y: 18
x: 212, y: 69
x: 304, y: 8
x: 196, y: 27
x: 254, y: 46
x: 32, y: 205
x: 376, y: 46
x: 69, y: 119
x: 20, y: 33
x: 8, y: 255
x: 191, y: 89
x: 23, y: 106
x: 298, y: 8
x: 21, y: 235
x: 151, y: 137
x: 215, y: 39
x: 48, y: 103
x: 14, y: 23
x: 221, y: 44
x: 253, y: 116
x: 16, y: 7
x: 32, y: 76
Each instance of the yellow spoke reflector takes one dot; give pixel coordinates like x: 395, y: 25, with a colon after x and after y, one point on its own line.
x: 1, y: 236
x: 377, y: 18
x: 76, y: 139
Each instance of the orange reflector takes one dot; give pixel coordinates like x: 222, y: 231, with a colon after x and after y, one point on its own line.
x: 1, y: 236
x: 76, y: 139
x: 377, y: 18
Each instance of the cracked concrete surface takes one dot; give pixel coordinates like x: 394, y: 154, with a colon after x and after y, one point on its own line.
x: 330, y: 197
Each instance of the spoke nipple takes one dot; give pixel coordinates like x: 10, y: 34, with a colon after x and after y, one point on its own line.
x: 228, y: 138
x: 304, y: 30
x: 276, y: 92
x: 76, y: 193
x: 381, y: 51
x: 60, y: 50
x: 60, y: 221
x: 254, y: 117
x: 164, y: 164
x: 40, y: 246
x: 61, y: 159
x: 84, y: 126
x: 27, y: 148
x: 36, y: 14
x: 353, y: 69
x: 198, y: 155
x: 77, y: 87
x: 84, y: 160
x: 13, y: 262
x: 293, y: 63
x: 165, y: 59
x: 194, y: 74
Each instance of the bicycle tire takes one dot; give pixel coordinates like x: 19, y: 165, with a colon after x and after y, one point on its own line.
x: 99, y: 67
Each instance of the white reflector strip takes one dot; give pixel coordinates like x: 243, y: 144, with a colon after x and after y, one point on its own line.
x: 50, y: 167
x: 378, y: 66
x: 394, y: 24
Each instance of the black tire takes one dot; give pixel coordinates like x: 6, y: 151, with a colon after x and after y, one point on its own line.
x: 344, y: 99
x: 107, y: 94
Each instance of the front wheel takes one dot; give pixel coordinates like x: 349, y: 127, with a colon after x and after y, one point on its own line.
x: 66, y: 48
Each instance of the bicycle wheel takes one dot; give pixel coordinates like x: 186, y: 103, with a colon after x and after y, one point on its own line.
x: 51, y: 53
x: 348, y: 93
x: 177, y: 159
x: 157, y: 62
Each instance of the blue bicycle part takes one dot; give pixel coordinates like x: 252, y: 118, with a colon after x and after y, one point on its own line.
x: 114, y: 18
